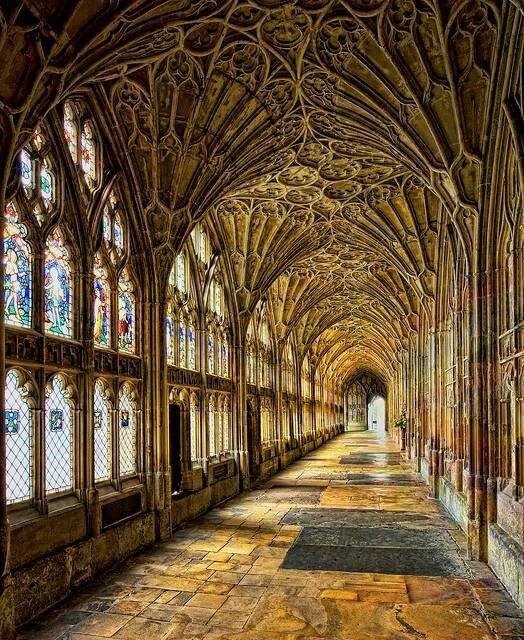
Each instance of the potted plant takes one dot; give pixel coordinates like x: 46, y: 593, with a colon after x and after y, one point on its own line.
x: 401, y: 422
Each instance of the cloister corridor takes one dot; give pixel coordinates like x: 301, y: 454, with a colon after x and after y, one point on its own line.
x: 344, y: 544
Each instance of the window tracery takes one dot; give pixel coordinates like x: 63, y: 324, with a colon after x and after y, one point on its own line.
x: 218, y: 353
x: 181, y: 349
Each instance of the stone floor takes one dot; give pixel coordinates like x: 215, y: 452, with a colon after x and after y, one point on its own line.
x: 344, y: 544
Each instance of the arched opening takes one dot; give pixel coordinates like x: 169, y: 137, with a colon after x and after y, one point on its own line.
x: 377, y: 414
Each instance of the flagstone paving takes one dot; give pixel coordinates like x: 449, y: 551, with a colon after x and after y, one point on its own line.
x: 343, y: 545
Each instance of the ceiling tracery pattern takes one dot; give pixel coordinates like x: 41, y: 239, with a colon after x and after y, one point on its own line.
x: 325, y: 140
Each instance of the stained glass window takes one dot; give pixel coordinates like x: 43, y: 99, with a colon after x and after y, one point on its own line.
x: 18, y: 440
x: 17, y: 271
x: 181, y: 273
x: 70, y: 130
x: 26, y: 170
x: 106, y: 225
x: 210, y: 353
x: 251, y: 365
x: 193, y: 418
x: 182, y: 345
x: 58, y: 437
x: 225, y: 357
x: 118, y: 234
x: 219, y: 355
x: 88, y: 154
x: 58, y: 289
x: 38, y: 139
x: 102, y: 433
x: 127, y: 431
x: 170, y: 335
x: 46, y: 184
x: 211, y: 425
x: 101, y: 307
x: 126, y: 314
x: 191, y: 349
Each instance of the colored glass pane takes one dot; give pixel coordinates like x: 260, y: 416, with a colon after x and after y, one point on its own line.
x: 210, y: 354
x: 58, y: 437
x: 126, y: 314
x: 101, y: 307
x: 46, y: 184
x: 182, y: 345
x: 191, y: 350
x: 118, y: 234
x: 181, y: 273
x: 102, y: 433
x: 193, y: 427
x: 58, y: 290
x: 70, y: 131
x: 88, y: 155
x: 17, y: 271
x: 26, y: 170
x: 18, y: 441
x: 225, y: 358
x: 106, y: 225
x: 169, y: 337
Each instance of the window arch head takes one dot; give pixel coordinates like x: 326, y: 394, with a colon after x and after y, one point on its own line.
x: 58, y: 287
x: 17, y: 271
x: 37, y: 176
x: 19, y: 439
x: 113, y: 229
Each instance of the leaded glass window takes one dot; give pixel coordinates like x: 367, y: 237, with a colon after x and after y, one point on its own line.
x: 193, y: 426
x: 126, y: 314
x: 18, y: 431
x: 210, y: 353
x: 225, y: 357
x: 46, y: 184
x: 58, y: 287
x: 17, y: 271
x: 71, y: 130
x: 101, y: 307
x: 170, y: 338
x: 181, y: 273
x: 225, y: 427
x: 182, y: 344
x: 127, y: 431
x: 26, y: 171
x: 191, y: 348
x: 58, y: 437
x: 88, y: 155
x: 102, y: 432
x: 211, y: 424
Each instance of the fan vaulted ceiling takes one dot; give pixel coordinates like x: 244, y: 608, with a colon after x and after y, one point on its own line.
x: 325, y: 141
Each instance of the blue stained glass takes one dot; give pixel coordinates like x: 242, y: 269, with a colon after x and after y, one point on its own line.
x: 210, y: 354
x: 58, y: 287
x: 106, y: 225
x: 46, y: 183
x: 101, y: 307
x: 169, y: 338
x: 26, y: 170
x: 17, y: 271
x: 191, y: 353
x: 124, y: 419
x: 126, y: 315
x: 225, y: 359
x: 12, y: 422
x: 56, y: 420
x: 182, y: 345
